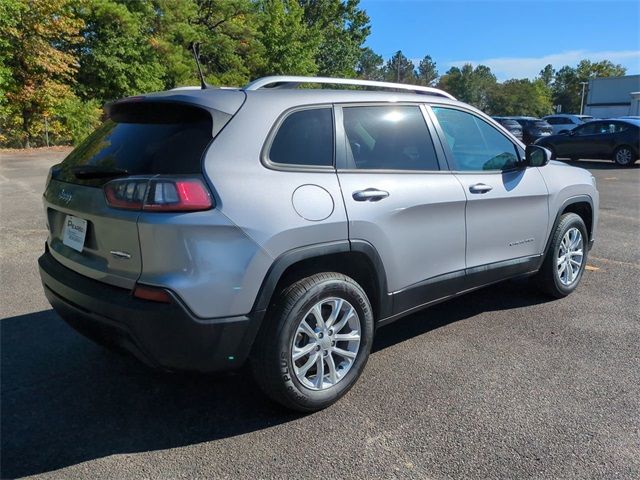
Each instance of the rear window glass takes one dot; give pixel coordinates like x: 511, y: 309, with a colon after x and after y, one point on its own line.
x: 388, y: 138
x: 141, y: 140
x: 304, y: 138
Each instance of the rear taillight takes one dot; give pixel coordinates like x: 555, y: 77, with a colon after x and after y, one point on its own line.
x: 159, y: 194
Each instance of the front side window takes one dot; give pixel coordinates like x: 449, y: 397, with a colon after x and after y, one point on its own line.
x: 474, y: 143
x: 388, y: 138
x: 305, y: 137
x: 589, y: 129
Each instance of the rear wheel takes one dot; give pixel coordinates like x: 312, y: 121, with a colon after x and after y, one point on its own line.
x: 624, y: 156
x: 315, y: 343
x: 566, y: 258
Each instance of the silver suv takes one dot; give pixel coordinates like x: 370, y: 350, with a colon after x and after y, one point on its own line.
x: 201, y: 228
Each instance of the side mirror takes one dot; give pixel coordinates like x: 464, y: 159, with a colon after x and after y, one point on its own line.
x: 537, y: 156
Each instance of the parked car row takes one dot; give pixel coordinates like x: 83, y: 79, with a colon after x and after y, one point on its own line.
x: 527, y: 129
x: 615, y: 139
x: 580, y: 136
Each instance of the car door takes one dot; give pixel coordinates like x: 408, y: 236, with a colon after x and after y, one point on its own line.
x: 507, y: 211
x: 401, y: 199
x: 584, y: 141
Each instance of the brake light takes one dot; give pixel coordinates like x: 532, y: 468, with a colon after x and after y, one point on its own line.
x: 160, y: 194
x: 167, y: 195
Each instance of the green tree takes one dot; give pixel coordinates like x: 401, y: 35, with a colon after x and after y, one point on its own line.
x: 35, y: 45
x: 230, y: 32
x: 468, y: 84
x: 427, y: 71
x: 520, y: 97
x: 400, y: 69
x: 343, y: 27
x: 567, y: 88
x: 546, y: 75
x: 370, y: 65
x: 290, y: 45
x: 117, y: 58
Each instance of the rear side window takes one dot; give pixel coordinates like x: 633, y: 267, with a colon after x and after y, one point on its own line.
x: 142, y: 139
x: 475, y: 144
x: 388, y: 137
x: 305, y: 137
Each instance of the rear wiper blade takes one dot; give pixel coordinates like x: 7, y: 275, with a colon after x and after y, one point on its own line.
x: 86, y: 172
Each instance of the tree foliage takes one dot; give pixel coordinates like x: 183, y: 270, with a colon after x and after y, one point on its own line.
x: 469, y: 84
x: 370, y: 65
x: 567, y: 88
x: 520, y: 97
x: 343, y: 28
x: 427, y: 71
x: 400, y: 69
x: 35, y: 50
x: 290, y: 44
x: 60, y: 60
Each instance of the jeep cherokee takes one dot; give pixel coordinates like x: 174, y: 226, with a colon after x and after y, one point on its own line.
x: 202, y: 228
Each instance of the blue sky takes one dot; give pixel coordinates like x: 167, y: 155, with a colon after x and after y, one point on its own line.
x: 515, y: 38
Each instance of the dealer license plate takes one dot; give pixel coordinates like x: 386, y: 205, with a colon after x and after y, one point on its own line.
x: 74, y: 232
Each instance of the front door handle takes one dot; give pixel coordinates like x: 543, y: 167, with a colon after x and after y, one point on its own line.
x: 369, y: 195
x: 480, y: 188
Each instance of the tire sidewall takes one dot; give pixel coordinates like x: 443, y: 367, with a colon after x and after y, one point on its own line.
x: 571, y: 222
x: 298, y: 393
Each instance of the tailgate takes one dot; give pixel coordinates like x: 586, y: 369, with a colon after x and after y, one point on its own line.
x: 139, y: 140
x: 111, y: 250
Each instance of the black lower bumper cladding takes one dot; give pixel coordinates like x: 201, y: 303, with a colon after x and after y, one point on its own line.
x: 166, y: 336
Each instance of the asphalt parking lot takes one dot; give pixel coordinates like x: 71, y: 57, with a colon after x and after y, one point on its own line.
x: 502, y: 383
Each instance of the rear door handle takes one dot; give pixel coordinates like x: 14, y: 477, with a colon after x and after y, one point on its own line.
x: 480, y: 188
x: 369, y: 195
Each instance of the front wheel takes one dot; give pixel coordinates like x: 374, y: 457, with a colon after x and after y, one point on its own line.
x: 624, y: 156
x: 566, y: 258
x: 315, y: 343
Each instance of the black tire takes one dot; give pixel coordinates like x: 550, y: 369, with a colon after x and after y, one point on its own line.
x: 272, y: 362
x: 548, y: 278
x: 624, y: 156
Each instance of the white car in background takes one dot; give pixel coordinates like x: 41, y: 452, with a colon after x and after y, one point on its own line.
x: 564, y: 122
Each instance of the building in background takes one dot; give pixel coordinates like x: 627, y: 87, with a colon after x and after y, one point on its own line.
x: 610, y: 97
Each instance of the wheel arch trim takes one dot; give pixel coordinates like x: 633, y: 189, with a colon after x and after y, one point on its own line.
x: 319, y: 250
x: 567, y: 202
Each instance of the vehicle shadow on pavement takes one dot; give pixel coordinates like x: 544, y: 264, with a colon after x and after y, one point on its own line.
x: 65, y: 400
x: 503, y: 296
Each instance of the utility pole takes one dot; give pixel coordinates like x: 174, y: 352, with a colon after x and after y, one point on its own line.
x: 582, y: 98
x: 46, y: 129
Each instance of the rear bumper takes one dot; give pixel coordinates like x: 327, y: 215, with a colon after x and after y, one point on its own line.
x: 166, y: 336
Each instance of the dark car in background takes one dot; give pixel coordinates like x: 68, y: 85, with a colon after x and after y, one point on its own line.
x: 615, y: 139
x: 533, y: 128
x: 511, y: 125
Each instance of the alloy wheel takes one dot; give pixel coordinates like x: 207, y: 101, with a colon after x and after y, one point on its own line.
x: 326, y: 343
x: 623, y: 156
x: 570, y: 256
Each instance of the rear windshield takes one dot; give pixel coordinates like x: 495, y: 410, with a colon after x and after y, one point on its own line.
x: 140, y: 139
x: 542, y: 124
